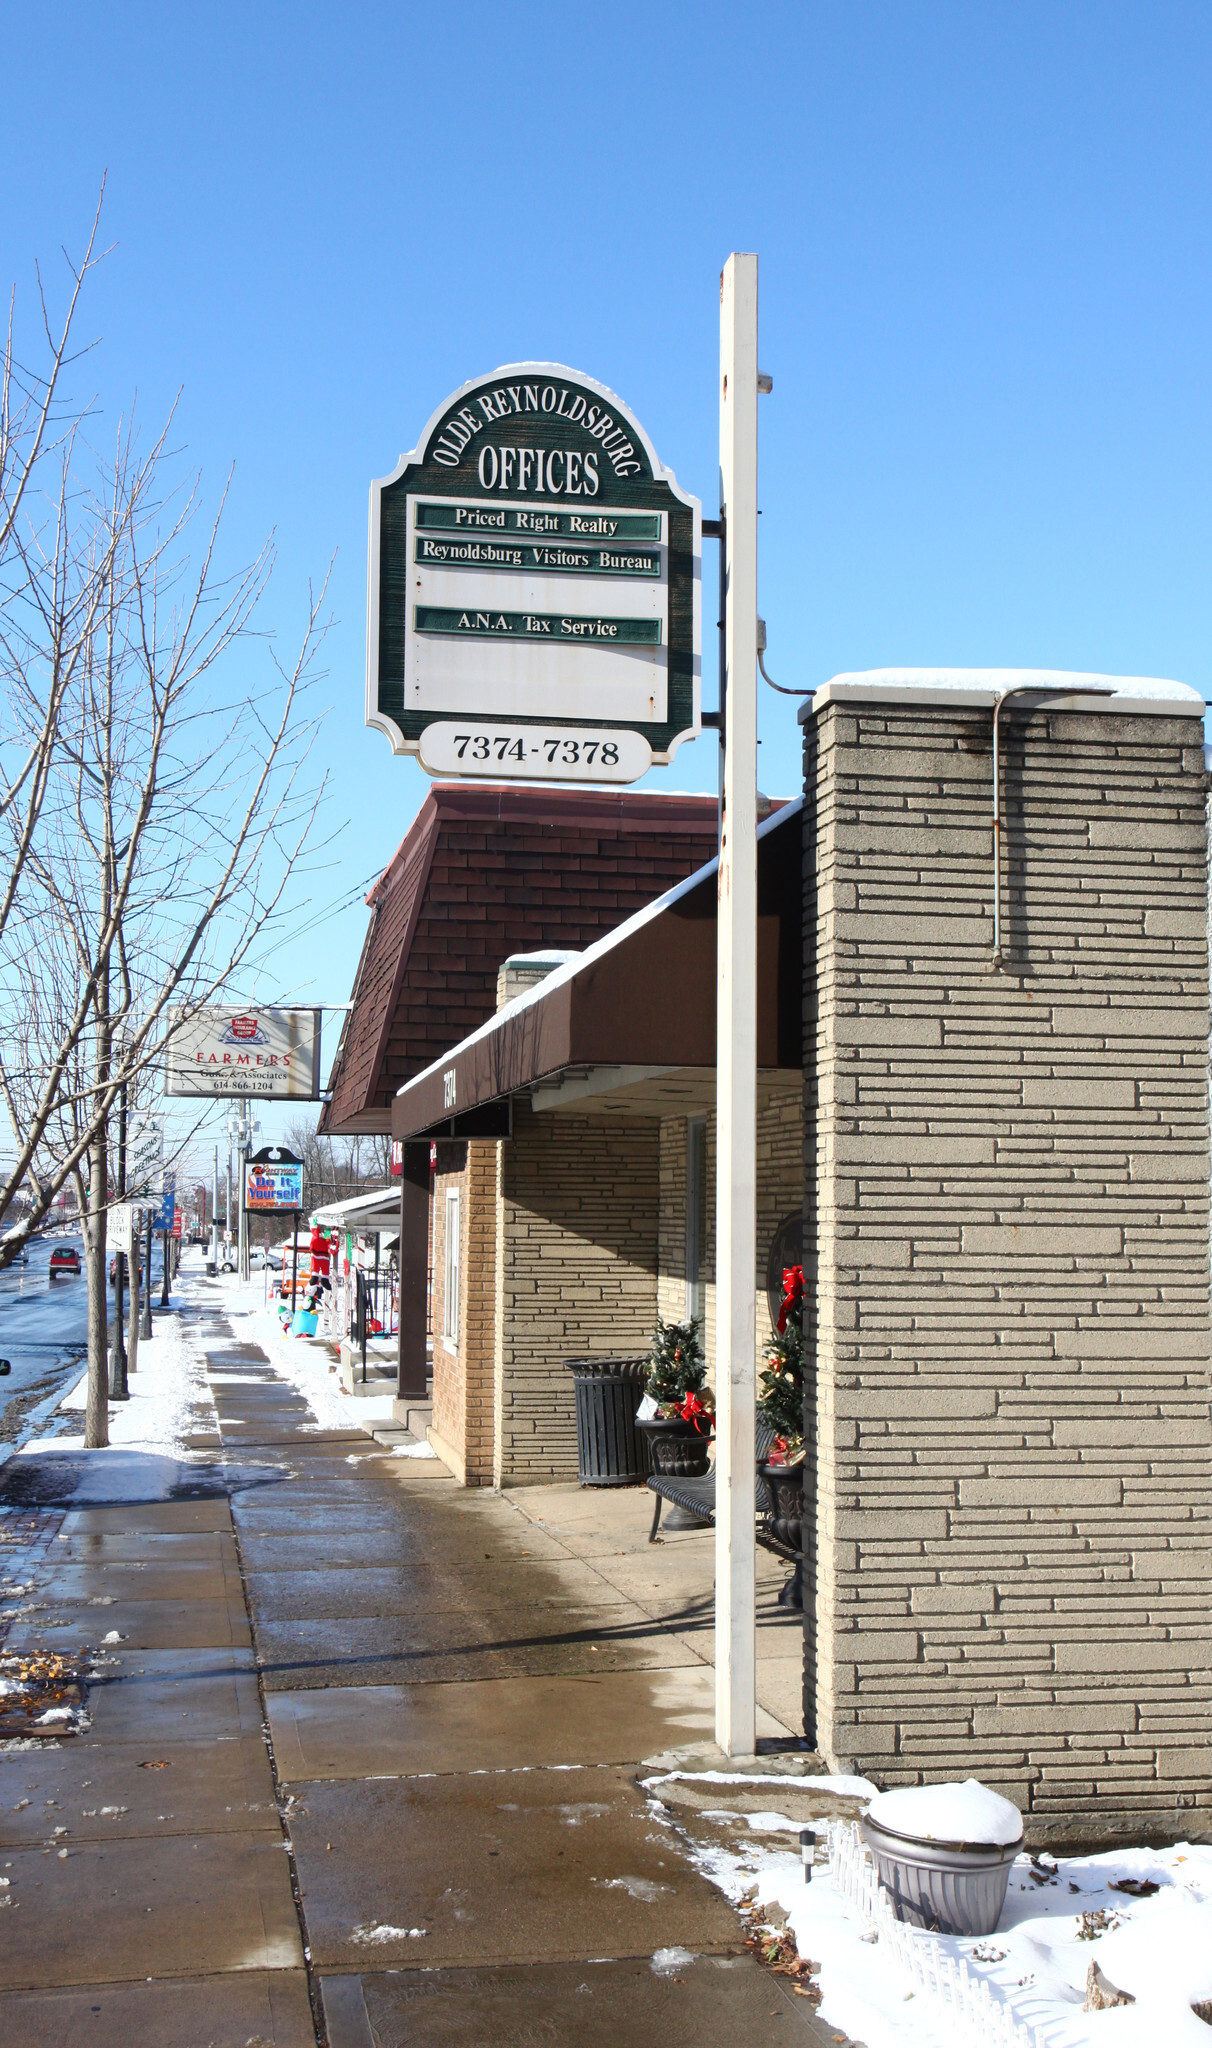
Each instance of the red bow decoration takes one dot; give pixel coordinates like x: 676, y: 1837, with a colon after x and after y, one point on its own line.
x: 690, y: 1411
x: 793, y: 1295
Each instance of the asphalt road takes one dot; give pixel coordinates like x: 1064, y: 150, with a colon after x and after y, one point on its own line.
x: 43, y: 1330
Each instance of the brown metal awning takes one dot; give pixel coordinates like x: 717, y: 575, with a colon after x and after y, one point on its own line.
x: 638, y: 1006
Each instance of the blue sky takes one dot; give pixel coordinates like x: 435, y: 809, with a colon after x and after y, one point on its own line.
x: 984, y: 243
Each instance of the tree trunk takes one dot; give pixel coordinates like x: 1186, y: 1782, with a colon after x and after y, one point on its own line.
x: 132, y: 1267
x: 96, y: 1426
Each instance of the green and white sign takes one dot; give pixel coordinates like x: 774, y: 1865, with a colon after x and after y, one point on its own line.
x: 534, y: 601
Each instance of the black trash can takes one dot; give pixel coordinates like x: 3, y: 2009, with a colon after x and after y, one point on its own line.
x: 610, y: 1449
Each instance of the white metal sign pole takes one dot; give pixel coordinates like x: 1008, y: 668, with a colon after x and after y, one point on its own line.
x: 736, y: 1027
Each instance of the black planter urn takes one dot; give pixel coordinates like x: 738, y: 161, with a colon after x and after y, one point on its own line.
x: 786, y: 1484
x: 676, y: 1449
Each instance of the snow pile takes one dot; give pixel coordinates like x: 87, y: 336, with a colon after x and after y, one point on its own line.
x: 145, y: 1458
x: 373, y: 1934
x: 1163, y: 1958
x: 166, y: 1392
x: 968, y: 1813
x: 1059, y: 1917
x: 846, y: 1788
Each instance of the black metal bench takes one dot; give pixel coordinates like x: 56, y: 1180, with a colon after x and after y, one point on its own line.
x: 697, y: 1497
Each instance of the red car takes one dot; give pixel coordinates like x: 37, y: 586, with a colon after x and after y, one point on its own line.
x: 64, y: 1259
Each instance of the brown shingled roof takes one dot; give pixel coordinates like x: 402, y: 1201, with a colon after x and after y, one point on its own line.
x: 486, y: 871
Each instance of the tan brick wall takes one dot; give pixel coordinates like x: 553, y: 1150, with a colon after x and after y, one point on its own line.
x: 577, y: 1267
x: 463, y: 1378
x: 448, y: 1402
x: 476, y: 1336
x: 780, y: 1191
x: 1012, y: 1303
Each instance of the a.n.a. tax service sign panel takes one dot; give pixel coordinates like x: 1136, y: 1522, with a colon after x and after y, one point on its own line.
x: 268, y: 1053
x: 534, y: 588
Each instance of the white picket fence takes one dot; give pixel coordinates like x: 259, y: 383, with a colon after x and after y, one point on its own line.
x: 977, y: 2017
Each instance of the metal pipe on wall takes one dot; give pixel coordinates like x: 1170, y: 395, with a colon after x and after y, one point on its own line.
x: 1042, y: 696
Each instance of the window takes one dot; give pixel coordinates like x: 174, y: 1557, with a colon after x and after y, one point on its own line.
x: 450, y: 1310
x: 696, y: 1215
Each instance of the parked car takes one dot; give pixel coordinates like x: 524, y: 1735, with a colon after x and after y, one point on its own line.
x: 64, y: 1259
x: 113, y: 1269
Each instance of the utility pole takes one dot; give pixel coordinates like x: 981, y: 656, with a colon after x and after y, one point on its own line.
x: 146, y: 1326
x: 736, y: 1027
x: 118, y: 1388
x: 242, y: 1253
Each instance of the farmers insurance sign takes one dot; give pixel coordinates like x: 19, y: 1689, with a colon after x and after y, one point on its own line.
x: 267, y: 1053
x: 534, y: 588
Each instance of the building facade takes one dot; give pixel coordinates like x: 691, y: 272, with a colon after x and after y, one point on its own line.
x: 1007, y: 1187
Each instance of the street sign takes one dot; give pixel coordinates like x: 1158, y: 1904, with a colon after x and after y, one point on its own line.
x: 144, y: 1154
x: 120, y: 1227
x: 534, y: 588
x: 273, y: 1181
x: 270, y: 1053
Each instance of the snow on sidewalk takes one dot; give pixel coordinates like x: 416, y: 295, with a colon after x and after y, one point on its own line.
x: 308, y: 1366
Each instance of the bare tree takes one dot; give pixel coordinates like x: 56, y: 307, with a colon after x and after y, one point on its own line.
x: 336, y: 1169
x: 53, y: 577
x: 174, y: 802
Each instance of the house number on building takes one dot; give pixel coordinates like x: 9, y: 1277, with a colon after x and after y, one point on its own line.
x: 534, y: 588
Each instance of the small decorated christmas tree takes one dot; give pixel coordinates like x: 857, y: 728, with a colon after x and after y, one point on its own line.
x: 781, y: 1400
x: 676, y: 1366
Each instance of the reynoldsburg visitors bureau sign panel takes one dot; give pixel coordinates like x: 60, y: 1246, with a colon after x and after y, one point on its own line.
x: 534, y: 588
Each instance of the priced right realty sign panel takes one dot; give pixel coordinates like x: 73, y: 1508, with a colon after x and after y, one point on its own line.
x: 534, y: 588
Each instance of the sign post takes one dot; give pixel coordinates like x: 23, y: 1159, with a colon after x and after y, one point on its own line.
x: 736, y: 1028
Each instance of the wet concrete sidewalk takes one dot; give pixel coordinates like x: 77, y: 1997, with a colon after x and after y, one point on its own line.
x: 361, y: 1766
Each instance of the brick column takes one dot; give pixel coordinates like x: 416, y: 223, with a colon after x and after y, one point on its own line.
x: 1008, y: 1187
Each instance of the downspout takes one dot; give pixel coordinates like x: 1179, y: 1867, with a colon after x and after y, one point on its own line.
x: 1041, y: 696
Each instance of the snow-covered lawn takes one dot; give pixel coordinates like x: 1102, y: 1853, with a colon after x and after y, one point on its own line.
x: 169, y: 1401
x: 169, y: 1396
x: 1059, y: 1916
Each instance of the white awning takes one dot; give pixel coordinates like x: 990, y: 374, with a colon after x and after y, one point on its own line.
x: 368, y: 1215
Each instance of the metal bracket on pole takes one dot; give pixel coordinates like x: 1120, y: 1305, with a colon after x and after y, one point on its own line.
x: 736, y: 1025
